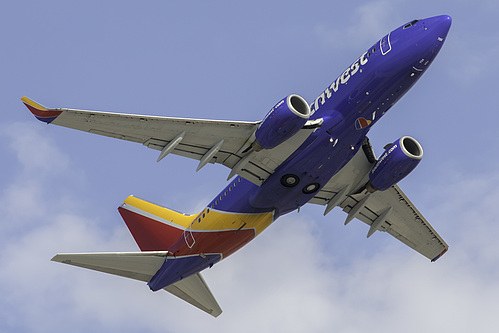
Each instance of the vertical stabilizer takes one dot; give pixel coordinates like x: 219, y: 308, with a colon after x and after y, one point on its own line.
x: 153, y: 227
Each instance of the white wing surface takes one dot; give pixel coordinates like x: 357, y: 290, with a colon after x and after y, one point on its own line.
x: 208, y: 141
x: 390, y: 211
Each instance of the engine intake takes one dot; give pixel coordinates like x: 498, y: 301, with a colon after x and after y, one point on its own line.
x: 395, y: 164
x: 283, y: 121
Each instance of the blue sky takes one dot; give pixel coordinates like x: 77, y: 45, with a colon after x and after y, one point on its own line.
x: 228, y: 60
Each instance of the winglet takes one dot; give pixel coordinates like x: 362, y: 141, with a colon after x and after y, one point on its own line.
x: 441, y: 254
x: 40, y: 112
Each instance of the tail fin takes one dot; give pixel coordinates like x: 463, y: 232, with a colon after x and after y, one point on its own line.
x: 153, y: 227
x: 143, y: 266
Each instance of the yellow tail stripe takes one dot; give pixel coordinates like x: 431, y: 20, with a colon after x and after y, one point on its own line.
x: 162, y: 212
x: 207, y: 220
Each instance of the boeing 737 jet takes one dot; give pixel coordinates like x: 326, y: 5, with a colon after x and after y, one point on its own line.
x: 299, y: 153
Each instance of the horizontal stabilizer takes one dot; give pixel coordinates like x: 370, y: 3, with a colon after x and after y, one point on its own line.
x: 143, y: 266
x: 194, y: 290
x: 134, y: 265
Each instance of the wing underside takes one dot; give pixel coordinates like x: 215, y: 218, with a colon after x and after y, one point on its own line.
x: 389, y: 211
x: 208, y: 141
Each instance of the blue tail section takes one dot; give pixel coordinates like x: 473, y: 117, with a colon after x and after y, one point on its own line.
x: 176, y: 269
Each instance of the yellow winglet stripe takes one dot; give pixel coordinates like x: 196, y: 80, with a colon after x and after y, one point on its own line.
x: 33, y: 104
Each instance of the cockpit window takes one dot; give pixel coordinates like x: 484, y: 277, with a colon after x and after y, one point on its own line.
x: 410, y: 24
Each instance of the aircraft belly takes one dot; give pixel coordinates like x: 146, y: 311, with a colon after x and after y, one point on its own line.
x: 314, y: 167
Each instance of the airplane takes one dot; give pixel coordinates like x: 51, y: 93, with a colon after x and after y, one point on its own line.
x: 299, y: 153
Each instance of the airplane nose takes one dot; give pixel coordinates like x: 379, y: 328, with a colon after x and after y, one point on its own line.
x: 425, y: 42
x: 440, y: 24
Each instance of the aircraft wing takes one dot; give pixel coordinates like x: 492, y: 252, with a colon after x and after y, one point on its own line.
x: 390, y: 211
x: 142, y: 266
x: 208, y: 141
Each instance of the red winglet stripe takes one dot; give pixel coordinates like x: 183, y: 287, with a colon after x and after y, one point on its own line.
x: 43, y: 113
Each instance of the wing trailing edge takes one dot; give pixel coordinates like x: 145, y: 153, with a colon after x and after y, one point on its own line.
x: 143, y: 266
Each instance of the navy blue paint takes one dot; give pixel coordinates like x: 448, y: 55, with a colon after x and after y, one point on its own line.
x: 371, y: 86
x: 392, y: 166
x: 176, y: 269
x: 353, y: 103
x: 47, y: 120
x: 279, y: 124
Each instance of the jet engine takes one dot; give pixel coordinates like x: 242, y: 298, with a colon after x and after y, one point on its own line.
x: 398, y: 160
x: 283, y: 121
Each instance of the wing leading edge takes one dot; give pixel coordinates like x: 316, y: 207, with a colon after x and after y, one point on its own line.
x: 208, y: 141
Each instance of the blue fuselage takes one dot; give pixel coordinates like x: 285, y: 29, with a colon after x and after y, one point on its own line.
x: 349, y: 107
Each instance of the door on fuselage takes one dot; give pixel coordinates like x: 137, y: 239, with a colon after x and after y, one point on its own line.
x: 385, y: 45
x: 189, y: 237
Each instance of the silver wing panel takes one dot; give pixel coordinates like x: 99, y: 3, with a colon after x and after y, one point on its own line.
x: 390, y: 211
x: 156, y: 132
x: 404, y: 222
x: 208, y: 141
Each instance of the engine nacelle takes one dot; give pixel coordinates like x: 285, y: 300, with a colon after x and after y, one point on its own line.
x: 394, y: 164
x: 282, y: 122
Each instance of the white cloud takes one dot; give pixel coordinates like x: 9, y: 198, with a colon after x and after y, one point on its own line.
x: 37, y: 154
x: 22, y: 200
x: 286, y: 280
